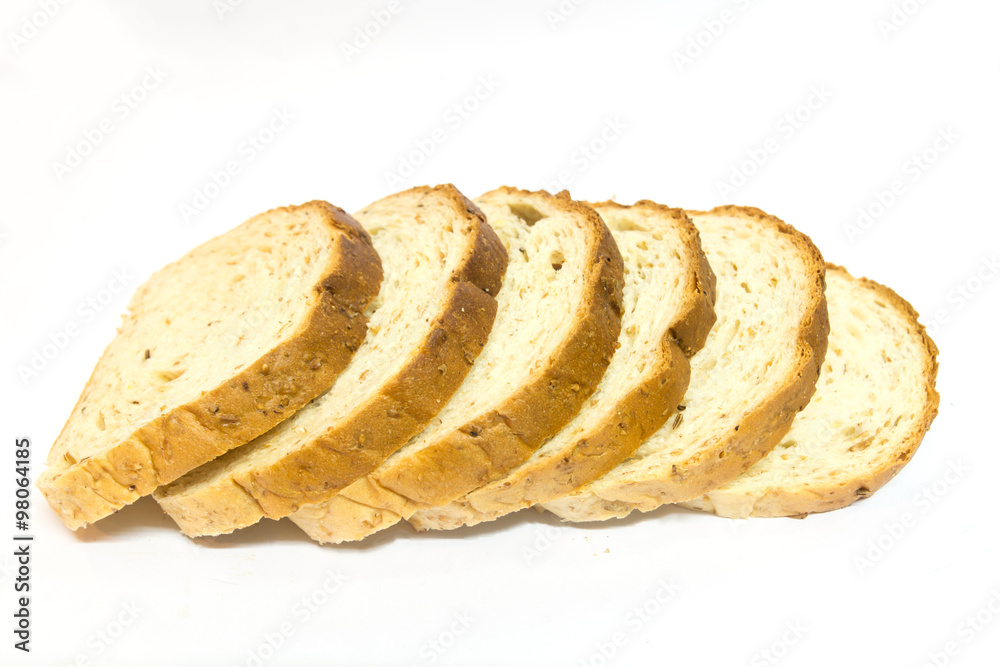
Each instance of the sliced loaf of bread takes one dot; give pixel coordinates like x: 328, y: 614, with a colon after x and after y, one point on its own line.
x: 557, y: 328
x: 443, y: 267
x: 874, y: 401
x: 757, y: 370
x: 668, y: 297
x: 216, y: 348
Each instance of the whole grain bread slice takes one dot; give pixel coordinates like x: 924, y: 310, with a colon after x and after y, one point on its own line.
x: 557, y: 328
x: 757, y: 370
x: 874, y: 402
x: 443, y: 267
x: 669, y: 298
x: 216, y: 348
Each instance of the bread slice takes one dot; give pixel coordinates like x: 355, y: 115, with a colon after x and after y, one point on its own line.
x: 669, y: 295
x: 757, y: 370
x: 557, y: 328
x: 443, y: 267
x: 216, y: 349
x: 874, y: 402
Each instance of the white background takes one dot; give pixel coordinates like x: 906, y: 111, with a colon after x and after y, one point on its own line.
x: 534, y: 592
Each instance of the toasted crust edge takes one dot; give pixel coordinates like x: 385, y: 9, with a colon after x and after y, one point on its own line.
x: 639, y: 413
x: 94, y: 488
x: 784, y: 502
x: 763, y: 428
x: 415, y: 395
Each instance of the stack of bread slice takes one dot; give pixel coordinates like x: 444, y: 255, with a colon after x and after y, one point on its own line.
x: 447, y: 362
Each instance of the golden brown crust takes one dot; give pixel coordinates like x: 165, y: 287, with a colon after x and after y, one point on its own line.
x: 799, y: 502
x: 240, y: 409
x: 489, y: 444
x: 638, y: 414
x: 759, y: 432
x: 356, y: 445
